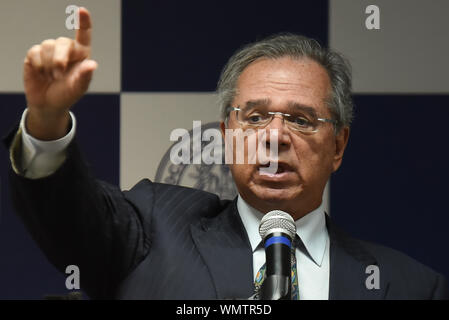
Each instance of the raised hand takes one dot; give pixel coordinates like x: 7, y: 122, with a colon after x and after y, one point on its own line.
x: 57, y: 73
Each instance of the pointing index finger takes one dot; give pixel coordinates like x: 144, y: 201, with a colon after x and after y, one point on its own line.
x: 83, y: 34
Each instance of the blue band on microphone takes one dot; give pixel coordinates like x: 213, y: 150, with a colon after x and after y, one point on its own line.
x: 279, y: 239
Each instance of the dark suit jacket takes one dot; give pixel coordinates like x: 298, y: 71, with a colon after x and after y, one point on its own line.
x: 160, y: 241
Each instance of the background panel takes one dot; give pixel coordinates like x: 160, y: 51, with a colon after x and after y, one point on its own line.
x: 25, y: 23
x: 392, y: 187
x: 408, y: 54
x: 147, y: 119
x: 183, y: 45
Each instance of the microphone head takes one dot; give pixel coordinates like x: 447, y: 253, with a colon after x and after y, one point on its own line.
x: 277, y: 221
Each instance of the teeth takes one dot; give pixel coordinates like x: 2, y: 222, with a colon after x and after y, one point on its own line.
x: 280, y: 169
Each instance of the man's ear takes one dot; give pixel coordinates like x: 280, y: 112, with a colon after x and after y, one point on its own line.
x: 341, y: 140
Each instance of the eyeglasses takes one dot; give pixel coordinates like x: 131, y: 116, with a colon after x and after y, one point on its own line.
x: 300, y: 120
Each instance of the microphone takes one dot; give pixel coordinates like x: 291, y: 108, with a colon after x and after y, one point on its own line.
x: 277, y: 229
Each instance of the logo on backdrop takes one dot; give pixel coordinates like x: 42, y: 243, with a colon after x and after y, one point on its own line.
x: 212, y: 177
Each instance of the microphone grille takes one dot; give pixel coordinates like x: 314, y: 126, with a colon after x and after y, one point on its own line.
x: 277, y: 219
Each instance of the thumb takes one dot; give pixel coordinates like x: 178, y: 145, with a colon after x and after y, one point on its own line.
x: 83, y: 74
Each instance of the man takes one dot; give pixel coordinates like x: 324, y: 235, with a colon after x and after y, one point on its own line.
x: 160, y: 241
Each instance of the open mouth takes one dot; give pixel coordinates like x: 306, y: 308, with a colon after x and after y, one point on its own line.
x: 268, y: 168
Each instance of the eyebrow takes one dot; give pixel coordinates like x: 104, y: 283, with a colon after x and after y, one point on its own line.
x: 291, y: 105
x: 298, y: 106
x: 257, y: 103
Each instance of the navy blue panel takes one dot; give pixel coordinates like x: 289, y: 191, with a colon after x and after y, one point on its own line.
x: 24, y: 271
x: 183, y: 45
x: 393, y: 185
x: 98, y: 117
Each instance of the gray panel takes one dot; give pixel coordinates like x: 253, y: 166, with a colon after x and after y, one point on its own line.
x: 25, y: 23
x: 147, y: 119
x: 408, y: 54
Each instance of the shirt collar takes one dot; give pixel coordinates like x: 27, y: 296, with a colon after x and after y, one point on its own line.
x: 311, y: 229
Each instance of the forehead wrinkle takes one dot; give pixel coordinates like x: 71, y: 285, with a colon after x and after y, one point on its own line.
x: 291, y: 105
x: 264, y: 81
x: 278, y: 85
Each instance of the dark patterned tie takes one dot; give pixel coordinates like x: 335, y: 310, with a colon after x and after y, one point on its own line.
x: 295, y: 289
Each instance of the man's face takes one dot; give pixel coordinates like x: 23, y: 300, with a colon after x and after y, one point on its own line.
x: 306, y: 160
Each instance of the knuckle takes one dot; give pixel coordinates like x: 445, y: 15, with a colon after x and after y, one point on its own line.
x: 59, y: 62
x: 61, y: 57
x: 48, y: 43
x: 63, y: 41
x: 34, y: 50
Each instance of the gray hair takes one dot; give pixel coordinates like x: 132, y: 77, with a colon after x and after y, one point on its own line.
x: 295, y: 46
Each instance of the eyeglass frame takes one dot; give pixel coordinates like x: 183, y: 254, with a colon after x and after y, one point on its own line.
x: 273, y: 113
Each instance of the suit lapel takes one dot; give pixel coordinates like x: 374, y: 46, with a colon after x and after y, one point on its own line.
x: 348, y: 263
x: 224, y: 246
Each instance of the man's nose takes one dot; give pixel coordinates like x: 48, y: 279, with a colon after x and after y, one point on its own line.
x: 278, y: 124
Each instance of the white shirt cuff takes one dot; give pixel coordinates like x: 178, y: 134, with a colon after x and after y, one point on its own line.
x: 42, y: 158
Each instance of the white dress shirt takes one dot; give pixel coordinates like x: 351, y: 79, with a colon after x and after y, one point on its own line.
x: 41, y: 158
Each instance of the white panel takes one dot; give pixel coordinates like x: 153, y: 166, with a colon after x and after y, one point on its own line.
x: 147, y: 119
x: 25, y: 23
x: 408, y: 54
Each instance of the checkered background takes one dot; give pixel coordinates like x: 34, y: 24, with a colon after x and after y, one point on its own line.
x: 159, y: 62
